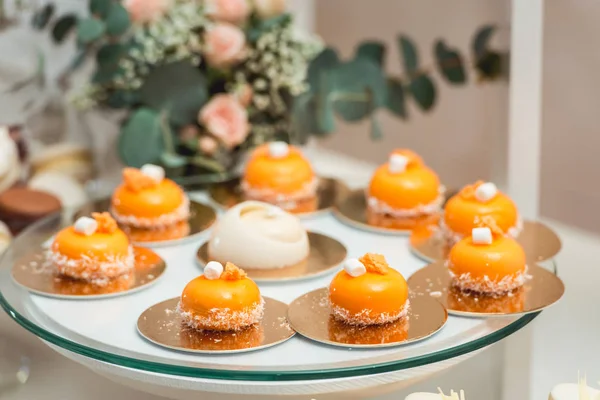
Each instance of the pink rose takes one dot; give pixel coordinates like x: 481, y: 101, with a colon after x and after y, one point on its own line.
x: 208, y: 145
x: 226, y: 119
x: 144, y: 11
x: 234, y: 11
x: 269, y: 8
x: 224, y: 45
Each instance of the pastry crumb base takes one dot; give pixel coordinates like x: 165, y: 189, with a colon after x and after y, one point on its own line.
x: 222, y: 319
x: 296, y: 206
x: 385, y: 220
x: 182, y: 213
x: 366, y: 316
x: 487, y: 286
x: 91, y: 270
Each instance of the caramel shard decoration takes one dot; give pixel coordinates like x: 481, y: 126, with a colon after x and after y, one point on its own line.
x: 375, y: 263
x: 106, y: 223
x: 136, y: 181
x: 233, y: 272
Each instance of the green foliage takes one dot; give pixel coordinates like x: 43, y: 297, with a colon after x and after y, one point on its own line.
x: 325, y: 61
x: 122, y: 99
x: 359, y: 88
x: 117, y: 20
x: 259, y: 27
x: 376, y: 131
x: 141, y: 140
x: 423, y: 91
x: 90, y: 30
x: 356, y: 89
x: 490, y: 65
x: 173, y: 160
x: 373, y: 51
x: 63, y: 27
x: 481, y: 40
x: 43, y: 16
x: 100, y: 8
x: 409, y: 54
x: 110, y: 54
x: 395, y: 97
x: 450, y: 63
x: 181, y: 97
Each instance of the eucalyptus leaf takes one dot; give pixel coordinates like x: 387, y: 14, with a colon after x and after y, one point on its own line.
x: 141, y: 141
x: 376, y: 131
x: 178, y: 87
x: 325, y: 61
x: 63, y: 27
x: 359, y: 88
x: 481, y: 40
x: 395, y: 99
x: 117, y: 21
x: 423, y: 91
x: 100, y: 8
x: 409, y: 53
x: 122, y: 99
x: 260, y: 27
x: 106, y: 74
x: 304, y: 117
x: 490, y: 65
x: 89, y: 30
x: 450, y: 63
x: 173, y: 160
x: 372, y: 50
x: 110, y: 54
x: 325, y: 115
x: 43, y: 16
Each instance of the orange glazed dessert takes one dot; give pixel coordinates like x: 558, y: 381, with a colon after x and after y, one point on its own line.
x: 487, y: 261
x: 93, y: 249
x: 278, y: 173
x: 222, y: 299
x: 403, y: 193
x: 368, y: 292
x: 148, y: 200
x: 466, y: 209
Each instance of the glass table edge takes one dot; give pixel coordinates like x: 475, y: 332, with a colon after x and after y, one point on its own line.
x: 218, y: 374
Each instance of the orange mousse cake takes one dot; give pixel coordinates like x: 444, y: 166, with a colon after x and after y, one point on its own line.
x: 487, y: 261
x: 368, y: 292
x: 222, y: 299
x: 403, y: 193
x: 148, y: 200
x: 93, y: 250
x: 466, y: 209
x: 278, y: 173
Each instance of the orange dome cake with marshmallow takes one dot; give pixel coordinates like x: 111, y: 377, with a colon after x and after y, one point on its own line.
x: 368, y: 292
x: 278, y: 173
x: 474, y: 202
x: 222, y: 299
x: 403, y: 193
x: 148, y: 200
x: 93, y: 249
x: 487, y: 261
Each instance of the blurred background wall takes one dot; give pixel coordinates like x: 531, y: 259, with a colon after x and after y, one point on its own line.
x: 570, y: 141
x: 455, y: 136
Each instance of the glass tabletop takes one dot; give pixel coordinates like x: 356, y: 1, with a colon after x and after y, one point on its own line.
x: 105, y: 329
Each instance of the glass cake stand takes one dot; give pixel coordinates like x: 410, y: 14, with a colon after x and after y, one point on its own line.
x: 101, y: 334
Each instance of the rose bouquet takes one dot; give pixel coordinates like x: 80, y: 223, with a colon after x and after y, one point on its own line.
x: 201, y: 80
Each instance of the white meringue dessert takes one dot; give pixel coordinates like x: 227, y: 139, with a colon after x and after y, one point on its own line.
x: 256, y: 235
x: 574, y: 391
